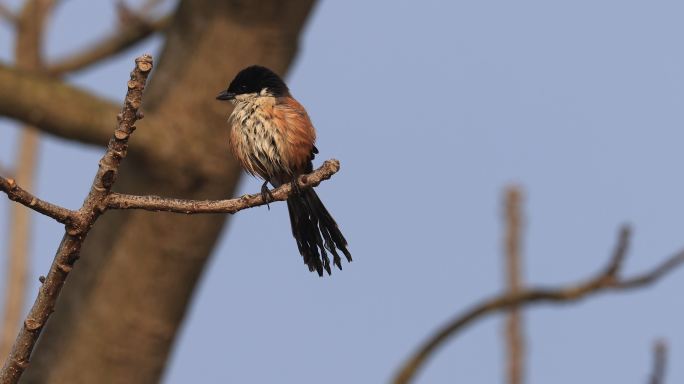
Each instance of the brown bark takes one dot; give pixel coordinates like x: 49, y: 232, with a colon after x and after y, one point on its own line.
x: 130, y: 291
x: 515, y: 343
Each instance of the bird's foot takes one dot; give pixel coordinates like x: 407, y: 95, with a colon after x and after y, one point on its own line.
x: 266, y: 194
x: 295, y: 186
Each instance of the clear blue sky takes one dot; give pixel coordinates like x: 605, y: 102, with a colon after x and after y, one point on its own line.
x: 432, y: 107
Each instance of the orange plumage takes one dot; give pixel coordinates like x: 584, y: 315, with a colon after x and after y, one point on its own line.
x: 298, y: 134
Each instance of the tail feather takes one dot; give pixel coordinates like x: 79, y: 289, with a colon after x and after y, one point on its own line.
x: 315, y: 231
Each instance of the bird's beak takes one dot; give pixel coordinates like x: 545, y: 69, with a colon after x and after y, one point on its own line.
x: 225, y: 95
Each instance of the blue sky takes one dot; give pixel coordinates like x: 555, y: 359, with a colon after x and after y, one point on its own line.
x: 432, y: 108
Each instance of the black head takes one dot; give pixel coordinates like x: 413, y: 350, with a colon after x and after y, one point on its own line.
x: 253, y: 80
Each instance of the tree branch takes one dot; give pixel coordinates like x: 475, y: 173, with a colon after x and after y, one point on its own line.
x: 77, y: 230
x: 100, y: 198
x: 122, y: 39
x: 605, y: 281
x: 515, y: 343
x: 16, y: 193
x: 63, y: 110
x: 55, y: 107
x: 156, y: 203
x: 659, y: 363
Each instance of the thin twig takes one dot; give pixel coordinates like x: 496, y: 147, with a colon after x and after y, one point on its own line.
x: 77, y: 230
x: 619, y: 253
x: 119, y: 41
x: 601, y: 283
x: 659, y: 363
x: 515, y: 342
x: 16, y: 193
x: 156, y: 203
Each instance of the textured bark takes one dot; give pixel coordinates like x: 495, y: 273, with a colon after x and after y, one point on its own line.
x: 119, y: 313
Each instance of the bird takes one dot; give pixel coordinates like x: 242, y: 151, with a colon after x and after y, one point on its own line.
x: 272, y: 137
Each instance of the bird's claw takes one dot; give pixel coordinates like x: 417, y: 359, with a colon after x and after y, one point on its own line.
x: 266, y: 194
x: 295, y: 186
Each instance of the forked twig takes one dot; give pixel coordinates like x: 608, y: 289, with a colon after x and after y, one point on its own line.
x: 607, y: 280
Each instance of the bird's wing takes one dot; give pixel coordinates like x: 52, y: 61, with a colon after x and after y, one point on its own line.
x: 297, y: 132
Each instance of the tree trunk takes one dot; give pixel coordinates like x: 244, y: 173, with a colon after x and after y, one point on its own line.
x: 121, y: 308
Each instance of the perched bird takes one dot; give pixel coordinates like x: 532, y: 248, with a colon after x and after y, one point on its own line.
x: 272, y: 137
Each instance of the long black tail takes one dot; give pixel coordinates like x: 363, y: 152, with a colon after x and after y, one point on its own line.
x: 315, y: 231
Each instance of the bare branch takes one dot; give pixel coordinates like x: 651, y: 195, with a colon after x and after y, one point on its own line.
x: 659, y: 362
x: 619, y: 253
x: 77, y: 230
x: 16, y: 193
x: 601, y: 283
x: 54, y: 107
x: 156, y: 203
x: 515, y: 342
x: 124, y: 38
x: 97, y: 202
x: 30, y: 26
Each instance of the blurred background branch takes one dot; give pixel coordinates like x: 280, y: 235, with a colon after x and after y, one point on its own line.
x: 137, y: 27
x: 30, y: 25
x: 607, y: 280
x: 659, y: 362
x: 515, y: 343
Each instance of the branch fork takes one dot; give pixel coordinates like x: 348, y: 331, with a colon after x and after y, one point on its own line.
x: 99, y: 200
